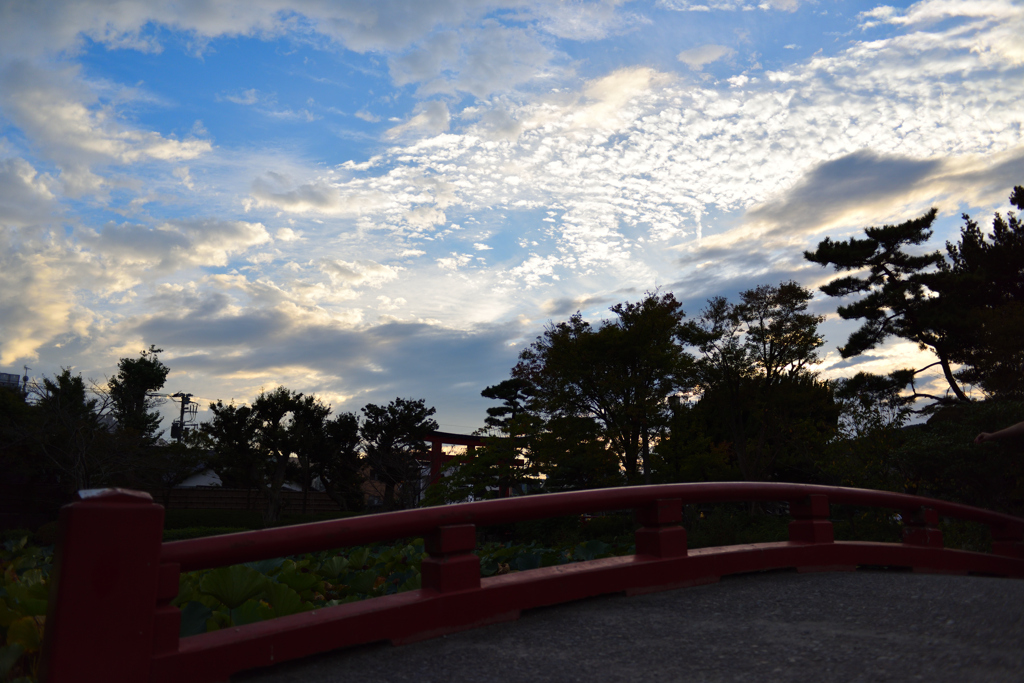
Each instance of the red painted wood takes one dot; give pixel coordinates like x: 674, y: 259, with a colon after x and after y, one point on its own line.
x: 103, y: 589
x: 661, y: 535
x: 810, y: 520
x: 452, y: 566
x: 453, y: 596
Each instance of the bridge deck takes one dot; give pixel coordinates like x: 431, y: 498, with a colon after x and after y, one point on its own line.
x: 776, y: 626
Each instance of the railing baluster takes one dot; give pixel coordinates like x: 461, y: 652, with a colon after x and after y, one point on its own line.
x: 661, y: 535
x: 921, y: 527
x: 810, y: 520
x: 452, y: 566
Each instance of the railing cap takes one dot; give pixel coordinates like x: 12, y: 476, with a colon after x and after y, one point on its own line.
x: 114, y: 495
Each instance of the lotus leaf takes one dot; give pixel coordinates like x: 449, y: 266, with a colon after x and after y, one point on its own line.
x: 333, y: 566
x: 251, y: 612
x: 9, y: 654
x: 27, y: 632
x: 22, y: 598
x: 193, y: 619
x: 233, y: 585
x: 298, y: 581
x: 7, y: 615
x: 357, y: 560
x: 284, y: 600
x: 363, y: 581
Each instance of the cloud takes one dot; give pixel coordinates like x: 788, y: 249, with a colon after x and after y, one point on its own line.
x: 866, y: 187
x: 175, y: 244
x: 62, y: 117
x: 433, y: 118
x: 26, y: 196
x: 247, y: 97
x: 367, y: 116
x: 569, y: 305
x: 39, y: 272
x: 358, y: 273
x: 697, y: 57
x: 358, y: 363
x: 279, y: 191
x: 454, y: 262
x: 729, y: 5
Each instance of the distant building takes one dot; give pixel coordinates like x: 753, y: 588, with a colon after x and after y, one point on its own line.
x: 10, y: 381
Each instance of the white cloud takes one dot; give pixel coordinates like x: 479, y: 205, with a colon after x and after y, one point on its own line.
x: 433, y: 117
x: 358, y: 273
x: 454, y: 262
x: 26, y: 196
x: 63, y: 118
x: 176, y: 244
x: 729, y: 5
x: 367, y: 116
x: 287, y: 235
x: 247, y: 97
x: 697, y: 57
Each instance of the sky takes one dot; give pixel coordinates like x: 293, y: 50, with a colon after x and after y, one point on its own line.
x: 382, y: 198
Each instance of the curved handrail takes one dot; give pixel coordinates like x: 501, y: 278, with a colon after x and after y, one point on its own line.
x: 248, y: 546
x: 114, y: 576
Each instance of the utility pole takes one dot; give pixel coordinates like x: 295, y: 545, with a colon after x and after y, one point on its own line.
x: 187, y: 406
x: 187, y: 418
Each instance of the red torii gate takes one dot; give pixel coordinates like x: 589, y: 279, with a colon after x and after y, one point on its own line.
x: 437, y: 457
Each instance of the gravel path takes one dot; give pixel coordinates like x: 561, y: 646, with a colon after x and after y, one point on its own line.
x: 777, y: 626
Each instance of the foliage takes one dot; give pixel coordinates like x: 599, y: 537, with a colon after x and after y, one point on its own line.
x: 130, y: 390
x: 336, y: 461
x: 254, y: 445
x: 64, y: 427
x: 983, y: 288
x: 574, y: 454
x: 956, y: 310
x: 502, y: 465
x: 940, y: 459
x: 393, y: 436
x: 757, y: 392
x: 619, y: 376
x: 873, y: 415
x: 24, y: 573
x: 685, y: 451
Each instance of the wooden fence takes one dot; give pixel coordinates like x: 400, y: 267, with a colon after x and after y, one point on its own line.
x: 216, y: 498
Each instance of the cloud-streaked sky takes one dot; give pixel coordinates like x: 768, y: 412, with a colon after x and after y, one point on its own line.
x: 365, y: 200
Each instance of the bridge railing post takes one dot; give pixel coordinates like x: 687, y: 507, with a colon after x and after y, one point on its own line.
x: 167, y: 617
x: 811, y: 523
x: 661, y: 535
x: 921, y: 527
x: 103, y: 589
x: 1008, y: 540
x: 452, y: 566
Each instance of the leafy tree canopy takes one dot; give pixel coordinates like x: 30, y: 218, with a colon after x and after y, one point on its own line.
x: 129, y: 390
x: 619, y: 375
x: 393, y: 436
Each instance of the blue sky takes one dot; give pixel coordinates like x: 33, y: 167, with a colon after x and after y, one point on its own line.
x: 365, y: 200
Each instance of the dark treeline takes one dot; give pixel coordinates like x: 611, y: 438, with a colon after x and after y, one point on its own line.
x: 64, y: 436
x: 647, y: 396
x: 650, y: 396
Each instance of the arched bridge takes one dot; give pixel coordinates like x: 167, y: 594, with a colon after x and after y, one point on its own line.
x: 111, y: 619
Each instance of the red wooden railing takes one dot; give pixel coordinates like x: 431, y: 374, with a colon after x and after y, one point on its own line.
x: 110, y: 617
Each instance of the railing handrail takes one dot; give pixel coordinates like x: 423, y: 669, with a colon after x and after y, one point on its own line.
x: 249, y: 546
x: 113, y: 575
